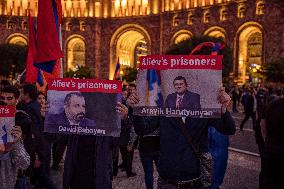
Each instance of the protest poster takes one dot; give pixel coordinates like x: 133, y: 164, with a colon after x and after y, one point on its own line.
x: 179, y: 86
x: 83, y: 106
x: 7, y: 122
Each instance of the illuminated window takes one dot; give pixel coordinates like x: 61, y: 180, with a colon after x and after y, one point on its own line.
x: 82, y: 26
x: 241, y: 11
x: 255, y: 45
x: 18, y: 39
x: 24, y: 25
x: 223, y: 14
x: 68, y: 26
x: 76, y: 53
x: 176, y: 20
x: 206, y: 17
x: 190, y: 19
x: 9, y: 24
x: 130, y: 7
x: 260, y: 8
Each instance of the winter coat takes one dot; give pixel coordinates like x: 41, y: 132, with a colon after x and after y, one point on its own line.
x: 102, y: 161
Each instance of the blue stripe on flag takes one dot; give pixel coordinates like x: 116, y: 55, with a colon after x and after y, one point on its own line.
x: 55, y: 15
x: 5, y: 136
x: 117, y: 68
x: 40, y: 78
x: 46, y: 66
x: 153, y: 77
x: 216, y: 47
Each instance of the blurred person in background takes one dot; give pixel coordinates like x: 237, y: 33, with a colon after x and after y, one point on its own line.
x: 272, y: 132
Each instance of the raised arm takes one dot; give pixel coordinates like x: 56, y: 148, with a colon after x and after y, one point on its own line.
x: 226, y: 124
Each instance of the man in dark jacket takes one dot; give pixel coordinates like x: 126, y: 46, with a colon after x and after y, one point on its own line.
x: 178, y: 166
x: 250, y: 105
x: 88, y: 162
x: 182, y: 98
x: 127, y: 138
x: 32, y: 108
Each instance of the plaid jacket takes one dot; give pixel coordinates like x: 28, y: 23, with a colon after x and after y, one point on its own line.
x: 10, y: 163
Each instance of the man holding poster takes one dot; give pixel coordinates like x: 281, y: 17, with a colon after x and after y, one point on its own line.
x: 89, y: 150
x: 179, y: 163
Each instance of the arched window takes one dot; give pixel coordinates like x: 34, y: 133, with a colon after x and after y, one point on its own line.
x: 206, y: 17
x: 249, y: 51
x: 24, y: 25
x: 190, y: 18
x: 255, y: 45
x: 76, y: 53
x: 82, y: 26
x: 260, y: 8
x: 176, y: 20
x: 241, y: 10
x: 223, y: 14
x: 68, y: 26
x: 17, y: 39
x: 180, y: 36
x: 9, y: 24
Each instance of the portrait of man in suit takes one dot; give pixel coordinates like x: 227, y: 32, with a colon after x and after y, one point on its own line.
x: 182, y: 98
x: 74, y: 113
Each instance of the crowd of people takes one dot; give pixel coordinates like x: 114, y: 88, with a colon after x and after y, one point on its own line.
x: 264, y: 105
x: 161, y: 142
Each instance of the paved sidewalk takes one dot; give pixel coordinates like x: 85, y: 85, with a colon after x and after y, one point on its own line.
x: 242, y: 173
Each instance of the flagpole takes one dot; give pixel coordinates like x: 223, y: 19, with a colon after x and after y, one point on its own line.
x: 60, y: 41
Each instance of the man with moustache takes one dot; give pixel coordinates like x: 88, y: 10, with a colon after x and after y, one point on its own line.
x: 73, y: 115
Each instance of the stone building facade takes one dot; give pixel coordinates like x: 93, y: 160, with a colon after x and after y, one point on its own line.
x: 102, y: 32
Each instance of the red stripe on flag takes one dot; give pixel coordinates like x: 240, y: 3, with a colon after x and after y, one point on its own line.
x: 31, y: 70
x: 48, y: 46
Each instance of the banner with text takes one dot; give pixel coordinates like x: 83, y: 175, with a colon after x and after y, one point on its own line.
x: 83, y: 106
x: 7, y: 122
x: 179, y: 86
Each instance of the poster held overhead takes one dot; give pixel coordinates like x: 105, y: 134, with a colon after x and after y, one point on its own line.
x: 79, y: 106
x: 183, y: 86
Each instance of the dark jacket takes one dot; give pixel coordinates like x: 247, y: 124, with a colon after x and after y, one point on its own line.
x: 102, y: 161
x: 177, y: 161
x: 124, y: 138
x: 33, y: 110
x: 190, y: 100
x: 23, y: 120
x: 248, y: 103
x: 149, y: 143
x: 127, y: 134
x: 53, y: 121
